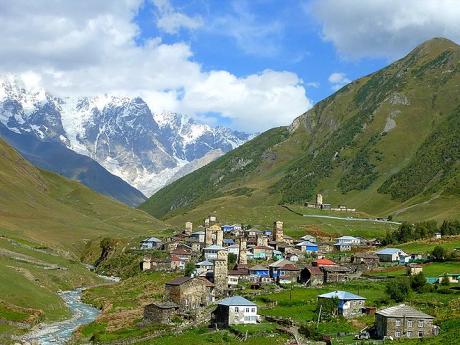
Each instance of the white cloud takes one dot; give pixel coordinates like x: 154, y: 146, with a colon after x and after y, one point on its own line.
x: 385, y: 28
x: 88, y: 47
x: 338, y: 80
x: 171, y: 21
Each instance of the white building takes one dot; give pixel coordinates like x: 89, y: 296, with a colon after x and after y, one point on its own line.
x: 236, y: 310
x: 210, y: 253
x: 392, y: 255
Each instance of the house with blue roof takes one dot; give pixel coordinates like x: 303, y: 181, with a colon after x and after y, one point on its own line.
x: 348, y: 304
x: 259, y: 271
x: 307, y: 246
x: 235, y: 310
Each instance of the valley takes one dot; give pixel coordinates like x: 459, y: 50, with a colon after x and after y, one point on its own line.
x: 332, y: 230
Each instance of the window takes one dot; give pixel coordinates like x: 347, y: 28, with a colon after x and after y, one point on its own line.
x: 409, y: 334
x: 409, y: 323
x: 420, y: 323
x: 420, y: 334
x: 237, y: 309
x: 398, y: 323
x: 253, y: 310
x: 247, y: 310
x: 397, y: 334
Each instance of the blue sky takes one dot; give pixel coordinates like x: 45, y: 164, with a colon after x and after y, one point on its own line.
x: 272, y: 37
x: 247, y: 64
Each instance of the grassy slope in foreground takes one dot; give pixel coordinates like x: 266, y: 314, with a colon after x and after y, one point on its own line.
x: 347, y: 147
x: 44, y: 222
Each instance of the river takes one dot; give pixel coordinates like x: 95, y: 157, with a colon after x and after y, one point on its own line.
x: 59, y: 333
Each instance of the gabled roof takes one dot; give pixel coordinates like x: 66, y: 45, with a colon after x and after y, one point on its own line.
x: 204, y: 263
x: 306, y: 243
x: 152, y: 239
x: 214, y: 247
x: 336, y: 269
x: 341, y: 295
x: 179, y: 281
x: 314, y: 270
x: 403, y: 310
x: 324, y: 262
x: 390, y: 251
x: 237, y: 301
x: 259, y: 268
x: 347, y: 238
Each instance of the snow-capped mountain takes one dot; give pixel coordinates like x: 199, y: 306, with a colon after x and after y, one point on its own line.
x: 121, y: 133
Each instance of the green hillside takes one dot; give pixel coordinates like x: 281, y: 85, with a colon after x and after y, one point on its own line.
x: 45, y: 222
x: 384, y: 144
x: 48, y: 209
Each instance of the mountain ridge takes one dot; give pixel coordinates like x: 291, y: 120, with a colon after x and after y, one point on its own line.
x: 120, y: 133
x: 348, y: 144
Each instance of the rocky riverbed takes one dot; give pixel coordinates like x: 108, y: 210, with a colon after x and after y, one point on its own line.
x: 59, y: 333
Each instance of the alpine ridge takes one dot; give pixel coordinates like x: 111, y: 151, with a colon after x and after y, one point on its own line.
x: 145, y: 149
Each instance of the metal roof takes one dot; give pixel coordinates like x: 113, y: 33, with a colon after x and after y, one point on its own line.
x: 214, y: 247
x: 152, y: 239
x: 403, y: 310
x: 205, y: 263
x: 307, y: 243
x: 237, y: 301
x: 390, y: 251
x: 341, y: 295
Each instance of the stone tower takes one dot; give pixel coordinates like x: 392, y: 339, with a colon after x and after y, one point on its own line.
x: 214, y: 235
x: 188, y: 228
x: 278, y: 231
x: 319, y: 200
x: 242, y: 256
x: 261, y: 240
x: 221, y: 272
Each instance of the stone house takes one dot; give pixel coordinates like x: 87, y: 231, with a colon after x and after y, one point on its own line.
x: 365, y: 261
x: 309, y: 238
x: 338, y: 274
x: 348, y: 305
x: 262, y: 252
x: 235, y: 310
x: 284, y: 271
x: 414, y: 269
x: 161, y: 313
x: 198, y: 236
x: 325, y: 247
x: 190, y: 293
x: 403, y: 321
x: 151, y: 243
x: 312, y: 276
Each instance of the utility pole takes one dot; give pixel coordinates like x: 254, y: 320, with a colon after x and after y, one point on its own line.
x: 319, y: 315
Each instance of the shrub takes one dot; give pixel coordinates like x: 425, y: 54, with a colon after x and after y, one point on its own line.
x: 417, y: 282
x: 398, y: 290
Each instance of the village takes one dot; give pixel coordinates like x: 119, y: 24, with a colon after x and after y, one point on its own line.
x: 222, y: 263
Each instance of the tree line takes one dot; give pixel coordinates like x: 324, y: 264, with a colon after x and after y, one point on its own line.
x: 410, y: 232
